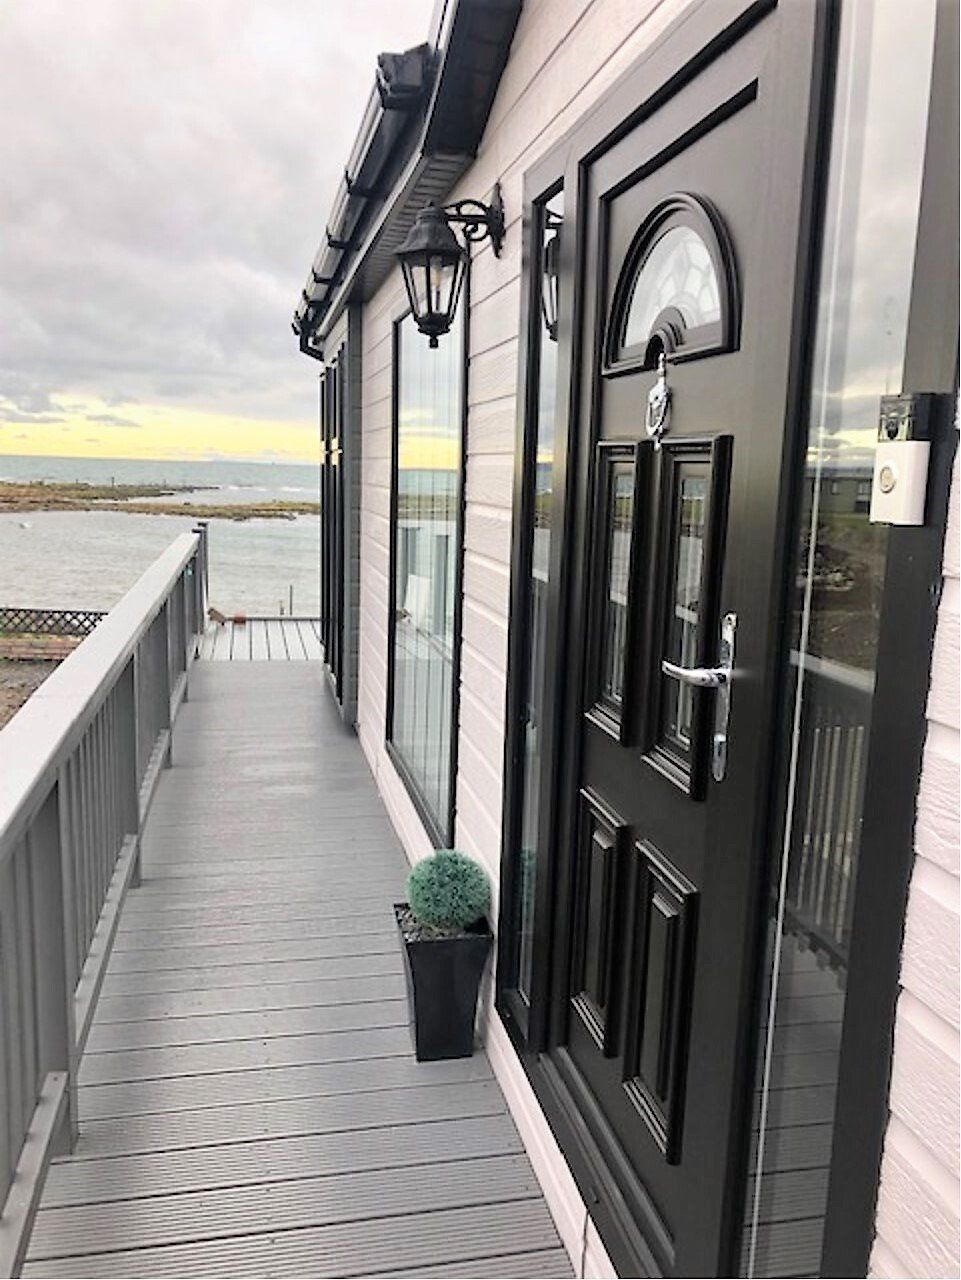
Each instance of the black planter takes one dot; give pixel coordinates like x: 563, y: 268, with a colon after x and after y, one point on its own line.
x: 443, y: 975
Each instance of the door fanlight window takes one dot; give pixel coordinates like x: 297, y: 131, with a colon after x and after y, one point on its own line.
x: 677, y: 292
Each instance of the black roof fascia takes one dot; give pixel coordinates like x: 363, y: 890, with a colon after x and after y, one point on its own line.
x: 417, y: 165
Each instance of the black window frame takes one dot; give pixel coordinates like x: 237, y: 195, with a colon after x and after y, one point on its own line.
x: 441, y: 834
x: 526, y: 1023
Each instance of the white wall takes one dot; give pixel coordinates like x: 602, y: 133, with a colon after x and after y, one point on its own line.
x: 918, y: 1217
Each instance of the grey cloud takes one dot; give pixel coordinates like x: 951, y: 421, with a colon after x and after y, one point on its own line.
x: 17, y: 415
x: 113, y: 420
x: 167, y: 171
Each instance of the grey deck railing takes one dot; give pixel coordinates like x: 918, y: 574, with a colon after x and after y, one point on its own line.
x: 78, y: 767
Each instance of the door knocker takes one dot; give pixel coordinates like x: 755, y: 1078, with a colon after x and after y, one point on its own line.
x: 658, y: 413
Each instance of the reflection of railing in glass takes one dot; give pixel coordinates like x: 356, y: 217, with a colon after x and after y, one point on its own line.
x: 682, y: 632
x: 827, y: 816
x: 621, y: 518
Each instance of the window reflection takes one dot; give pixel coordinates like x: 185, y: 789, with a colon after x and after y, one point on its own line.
x: 677, y: 272
x: 868, y: 254
x: 688, y: 535
x: 620, y: 522
x: 539, y: 479
x: 428, y: 461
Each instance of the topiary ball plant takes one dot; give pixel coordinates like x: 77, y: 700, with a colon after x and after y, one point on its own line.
x: 448, y: 890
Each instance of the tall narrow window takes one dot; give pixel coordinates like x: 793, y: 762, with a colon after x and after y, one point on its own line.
x: 428, y: 412
x: 859, y: 356
x: 534, y: 565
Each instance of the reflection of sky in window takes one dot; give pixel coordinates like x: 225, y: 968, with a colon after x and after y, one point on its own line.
x: 677, y: 272
x: 429, y: 403
x: 870, y: 300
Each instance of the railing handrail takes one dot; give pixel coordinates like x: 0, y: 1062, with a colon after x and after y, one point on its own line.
x: 35, y: 742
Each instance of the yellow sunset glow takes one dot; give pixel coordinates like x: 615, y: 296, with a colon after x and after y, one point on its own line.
x: 81, y: 427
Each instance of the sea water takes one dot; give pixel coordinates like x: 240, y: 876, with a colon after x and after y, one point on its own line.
x: 88, y: 559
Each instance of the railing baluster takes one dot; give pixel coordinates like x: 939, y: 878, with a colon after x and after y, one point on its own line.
x: 54, y: 993
x: 26, y: 976
x: 10, y: 1045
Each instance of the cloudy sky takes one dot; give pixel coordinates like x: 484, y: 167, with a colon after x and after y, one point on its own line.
x: 167, y: 167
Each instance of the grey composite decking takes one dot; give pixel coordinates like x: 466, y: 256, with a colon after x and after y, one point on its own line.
x: 262, y: 639
x: 249, y: 1103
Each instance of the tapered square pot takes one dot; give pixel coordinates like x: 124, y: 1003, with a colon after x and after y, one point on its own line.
x: 443, y: 977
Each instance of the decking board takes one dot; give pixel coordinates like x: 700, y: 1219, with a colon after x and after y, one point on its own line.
x: 410, y: 1241
x: 249, y: 1101
x: 261, y: 640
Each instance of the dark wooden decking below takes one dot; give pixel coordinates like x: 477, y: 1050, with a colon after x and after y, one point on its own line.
x: 249, y: 1103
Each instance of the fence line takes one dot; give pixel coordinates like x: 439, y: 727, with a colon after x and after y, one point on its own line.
x: 15, y: 621
x: 78, y: 767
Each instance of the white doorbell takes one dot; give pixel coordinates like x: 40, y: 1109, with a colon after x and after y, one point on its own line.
x: 900, y: 481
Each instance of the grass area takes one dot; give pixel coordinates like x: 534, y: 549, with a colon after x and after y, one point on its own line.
x: 42, y: 496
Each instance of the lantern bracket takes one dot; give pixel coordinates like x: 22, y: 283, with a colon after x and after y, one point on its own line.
x: 479, y: 220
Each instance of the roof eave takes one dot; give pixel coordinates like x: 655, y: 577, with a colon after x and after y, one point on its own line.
x: 477, y: 35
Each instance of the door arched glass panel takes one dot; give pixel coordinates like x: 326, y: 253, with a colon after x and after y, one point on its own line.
x: 677, y: 292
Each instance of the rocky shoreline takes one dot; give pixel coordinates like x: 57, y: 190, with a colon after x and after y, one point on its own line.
x: 41, y: 496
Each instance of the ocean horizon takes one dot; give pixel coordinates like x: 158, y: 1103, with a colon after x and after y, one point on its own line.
x: 89, y: 559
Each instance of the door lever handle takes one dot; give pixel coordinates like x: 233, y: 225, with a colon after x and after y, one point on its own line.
x: 700, y: 677
x: 718, y: 677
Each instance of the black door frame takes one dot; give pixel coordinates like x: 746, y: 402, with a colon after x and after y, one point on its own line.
x: 912, y: 589
x: 340, y: 417
x: 914, y: 564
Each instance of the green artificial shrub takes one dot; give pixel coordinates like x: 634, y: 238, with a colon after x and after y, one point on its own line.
x: 448, y: 890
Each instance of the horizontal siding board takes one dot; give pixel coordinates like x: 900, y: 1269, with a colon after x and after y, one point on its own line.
x: 493, y: 374
x: 492, y: 427
x: 488, y: 582
x: 490, y: 480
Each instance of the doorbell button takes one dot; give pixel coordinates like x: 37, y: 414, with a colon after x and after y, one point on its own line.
x: 900, y: 482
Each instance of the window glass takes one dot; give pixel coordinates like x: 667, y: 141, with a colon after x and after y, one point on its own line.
x: 539, y: 481
x: 619, y: 510
x: 677, y: 272
x: 688, y: 536
x: 859, y: 354
x: 428, y: 469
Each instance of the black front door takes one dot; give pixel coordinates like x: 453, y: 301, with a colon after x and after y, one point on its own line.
x: 695, y: 232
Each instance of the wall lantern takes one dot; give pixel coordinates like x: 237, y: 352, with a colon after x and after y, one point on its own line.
x: 434, y: 262
x: 550, y: 272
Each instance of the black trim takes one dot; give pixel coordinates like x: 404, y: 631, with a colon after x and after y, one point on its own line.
x: 912, y: 589
x: 441, y: 835
x: 525, y: 1023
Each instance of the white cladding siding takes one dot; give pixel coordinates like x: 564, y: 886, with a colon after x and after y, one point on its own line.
x: 917, y: 1219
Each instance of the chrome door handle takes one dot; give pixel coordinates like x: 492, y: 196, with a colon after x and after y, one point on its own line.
x: 700, y: 677
x: 718, y: 677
